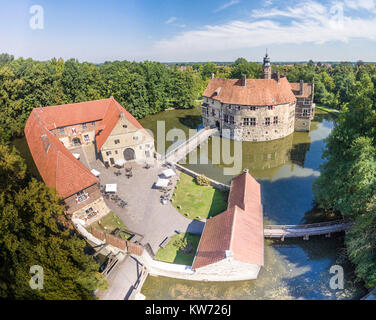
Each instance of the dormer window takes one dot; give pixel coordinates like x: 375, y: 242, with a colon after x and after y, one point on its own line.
x: 217, y: 91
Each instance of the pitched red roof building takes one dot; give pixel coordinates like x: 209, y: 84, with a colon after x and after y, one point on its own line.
x: 256, y: 92
x: 238, y: 232
x: 255, y: 110
x: 58, y: 168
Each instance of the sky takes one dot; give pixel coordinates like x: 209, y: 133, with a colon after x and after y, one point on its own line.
x: 189, y: 30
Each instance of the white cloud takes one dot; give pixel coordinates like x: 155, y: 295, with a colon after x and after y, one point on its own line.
x: 268, y: 3
x: 170, y: 20
x: 360, y: 4
x: 226, y: 5
x: 310, y: 22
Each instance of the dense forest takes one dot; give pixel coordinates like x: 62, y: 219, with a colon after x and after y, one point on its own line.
x: 33, y: 229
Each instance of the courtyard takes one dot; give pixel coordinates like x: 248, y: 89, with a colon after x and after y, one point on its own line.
x: 143, y: 213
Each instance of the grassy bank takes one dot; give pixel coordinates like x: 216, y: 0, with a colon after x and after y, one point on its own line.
x: 181, y: 249
x: 333, y: 111
x: 197, y: 202
x: 111, y: 223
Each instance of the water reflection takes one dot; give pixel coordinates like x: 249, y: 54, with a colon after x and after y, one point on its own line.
x: 293, y: 270
x: 273, y: 160
x: 285, y: 169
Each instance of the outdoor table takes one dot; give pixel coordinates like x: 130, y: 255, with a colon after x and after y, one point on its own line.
x: 169, y: 173
x: 120, y: 163
x: 162, y: 183
x: 111, y: 187
x: 95, y: 172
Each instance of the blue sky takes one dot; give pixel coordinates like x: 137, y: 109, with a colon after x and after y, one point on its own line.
x: 194, y: 30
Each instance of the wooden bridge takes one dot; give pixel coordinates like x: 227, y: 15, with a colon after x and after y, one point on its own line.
x: 305, y: 230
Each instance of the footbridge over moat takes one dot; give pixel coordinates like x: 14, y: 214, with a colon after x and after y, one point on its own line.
x: 180, y: 151
x: 305, y: 230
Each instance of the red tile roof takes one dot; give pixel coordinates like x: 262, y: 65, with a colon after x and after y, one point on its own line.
x: 257, y: 92
x: 57, y: 166
x: 238, y: 229
x: 307, y: 89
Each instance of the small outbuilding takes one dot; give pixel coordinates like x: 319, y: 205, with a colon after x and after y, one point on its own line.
x: 232, y: 243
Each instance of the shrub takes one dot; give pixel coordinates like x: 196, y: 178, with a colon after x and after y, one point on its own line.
x: 202, y: 180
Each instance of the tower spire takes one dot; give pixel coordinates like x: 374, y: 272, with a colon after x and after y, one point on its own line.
x: 266, y: 67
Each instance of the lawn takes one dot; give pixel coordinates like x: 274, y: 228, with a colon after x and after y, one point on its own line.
x: 181, y: 249
x: 328, y: 109
x: 197, y: 202
x: 111, y: 223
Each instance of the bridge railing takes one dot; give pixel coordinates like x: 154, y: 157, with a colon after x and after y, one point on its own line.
x: 308, y: 226
x: 186, y: 142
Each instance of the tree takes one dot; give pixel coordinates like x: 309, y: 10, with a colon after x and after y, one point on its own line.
x: 33, y: 232
x: 208, y: 69
x: 5, y: 58
x: 361, y: 243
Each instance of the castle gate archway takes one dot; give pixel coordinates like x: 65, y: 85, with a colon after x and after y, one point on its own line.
x: 129, y: 154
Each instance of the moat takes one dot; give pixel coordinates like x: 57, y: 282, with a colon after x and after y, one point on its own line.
x: 285, y: 168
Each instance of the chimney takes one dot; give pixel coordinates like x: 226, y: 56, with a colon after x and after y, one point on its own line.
x: 278, y: 76
x: 244, y: 80
x: 212, y: 76
x: 301, y: 87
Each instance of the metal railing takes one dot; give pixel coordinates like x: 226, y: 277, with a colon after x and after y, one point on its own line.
x: 309, y: 225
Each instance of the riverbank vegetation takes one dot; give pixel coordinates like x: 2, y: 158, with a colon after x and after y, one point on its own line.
x: 180, y: 249
x: 348, y: 177
x: 35, y: 232
x: 195, y: 201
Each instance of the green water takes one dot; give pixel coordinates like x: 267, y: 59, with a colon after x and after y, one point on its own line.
x: 285, y: 168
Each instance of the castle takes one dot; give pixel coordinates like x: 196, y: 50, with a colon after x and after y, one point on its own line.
x: 258, y: 109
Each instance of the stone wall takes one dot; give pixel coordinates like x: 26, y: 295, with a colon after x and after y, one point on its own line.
x: 263, y: 132
x: 125, y: 135
x: 260, y: 132
x: 115, y: 244
x: 302, y: 124
x: 213, y: 183
x: 67, y: 136
x: 225, y: 270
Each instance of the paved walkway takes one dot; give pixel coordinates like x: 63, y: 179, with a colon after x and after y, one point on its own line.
x: 123, y: 280
x: 145, y: 214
